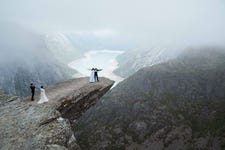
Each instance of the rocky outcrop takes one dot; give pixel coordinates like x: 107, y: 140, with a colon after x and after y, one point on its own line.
x: 28, y: 125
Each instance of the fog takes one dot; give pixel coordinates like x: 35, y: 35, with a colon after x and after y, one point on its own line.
x: 144, y: 22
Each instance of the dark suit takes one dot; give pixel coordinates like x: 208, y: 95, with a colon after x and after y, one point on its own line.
x: 96, y: 74
x: 32, y: 87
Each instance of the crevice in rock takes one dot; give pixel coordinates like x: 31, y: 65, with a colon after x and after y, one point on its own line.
x: 47, y: 121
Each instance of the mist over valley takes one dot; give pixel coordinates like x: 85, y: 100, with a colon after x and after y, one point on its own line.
x: 161, y: 69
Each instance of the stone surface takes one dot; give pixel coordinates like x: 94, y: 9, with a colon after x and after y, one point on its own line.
x: 28, y: 125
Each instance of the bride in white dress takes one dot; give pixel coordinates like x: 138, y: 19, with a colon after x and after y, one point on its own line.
x: 43, y: 96
x: 92, y: 76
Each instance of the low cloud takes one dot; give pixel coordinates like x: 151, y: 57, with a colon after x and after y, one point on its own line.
x: 145, y: 22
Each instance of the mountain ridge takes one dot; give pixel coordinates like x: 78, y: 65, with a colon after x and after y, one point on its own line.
x: 25, y: 58
x: 172, y: 105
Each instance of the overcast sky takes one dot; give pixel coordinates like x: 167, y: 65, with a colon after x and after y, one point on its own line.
x: 144, y: 21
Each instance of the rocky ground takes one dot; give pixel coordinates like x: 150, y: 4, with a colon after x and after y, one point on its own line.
x: 28, y: 125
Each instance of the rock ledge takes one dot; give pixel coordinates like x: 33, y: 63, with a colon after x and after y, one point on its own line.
x: 28, y: 125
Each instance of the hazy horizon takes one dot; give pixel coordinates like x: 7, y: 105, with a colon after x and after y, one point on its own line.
x: 145, y: 23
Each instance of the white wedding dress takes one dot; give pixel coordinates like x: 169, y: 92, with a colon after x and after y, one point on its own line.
x: 43, y: 97
x: 92, y: 76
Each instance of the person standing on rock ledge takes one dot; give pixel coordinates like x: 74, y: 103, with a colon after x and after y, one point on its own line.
x: 43, y: 96
x: 92, y: 76
x: 32, y: 87
x: 96, y: 74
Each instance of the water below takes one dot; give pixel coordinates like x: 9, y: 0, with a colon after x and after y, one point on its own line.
x: 101, y: 59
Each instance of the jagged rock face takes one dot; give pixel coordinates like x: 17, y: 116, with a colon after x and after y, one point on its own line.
x: 179, y: 104
x: 28, y: 125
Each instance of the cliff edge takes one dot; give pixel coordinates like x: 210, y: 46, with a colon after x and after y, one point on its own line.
x: 28, y: 125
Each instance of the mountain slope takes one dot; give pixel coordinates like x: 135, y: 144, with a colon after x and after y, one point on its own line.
x: 132, y: 61
x: 25, y: 58
x: 179, y: 104
x: 61, y: 47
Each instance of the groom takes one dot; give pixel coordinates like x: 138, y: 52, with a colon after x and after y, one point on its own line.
x: 96, y: 74
x: 32, y: 87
